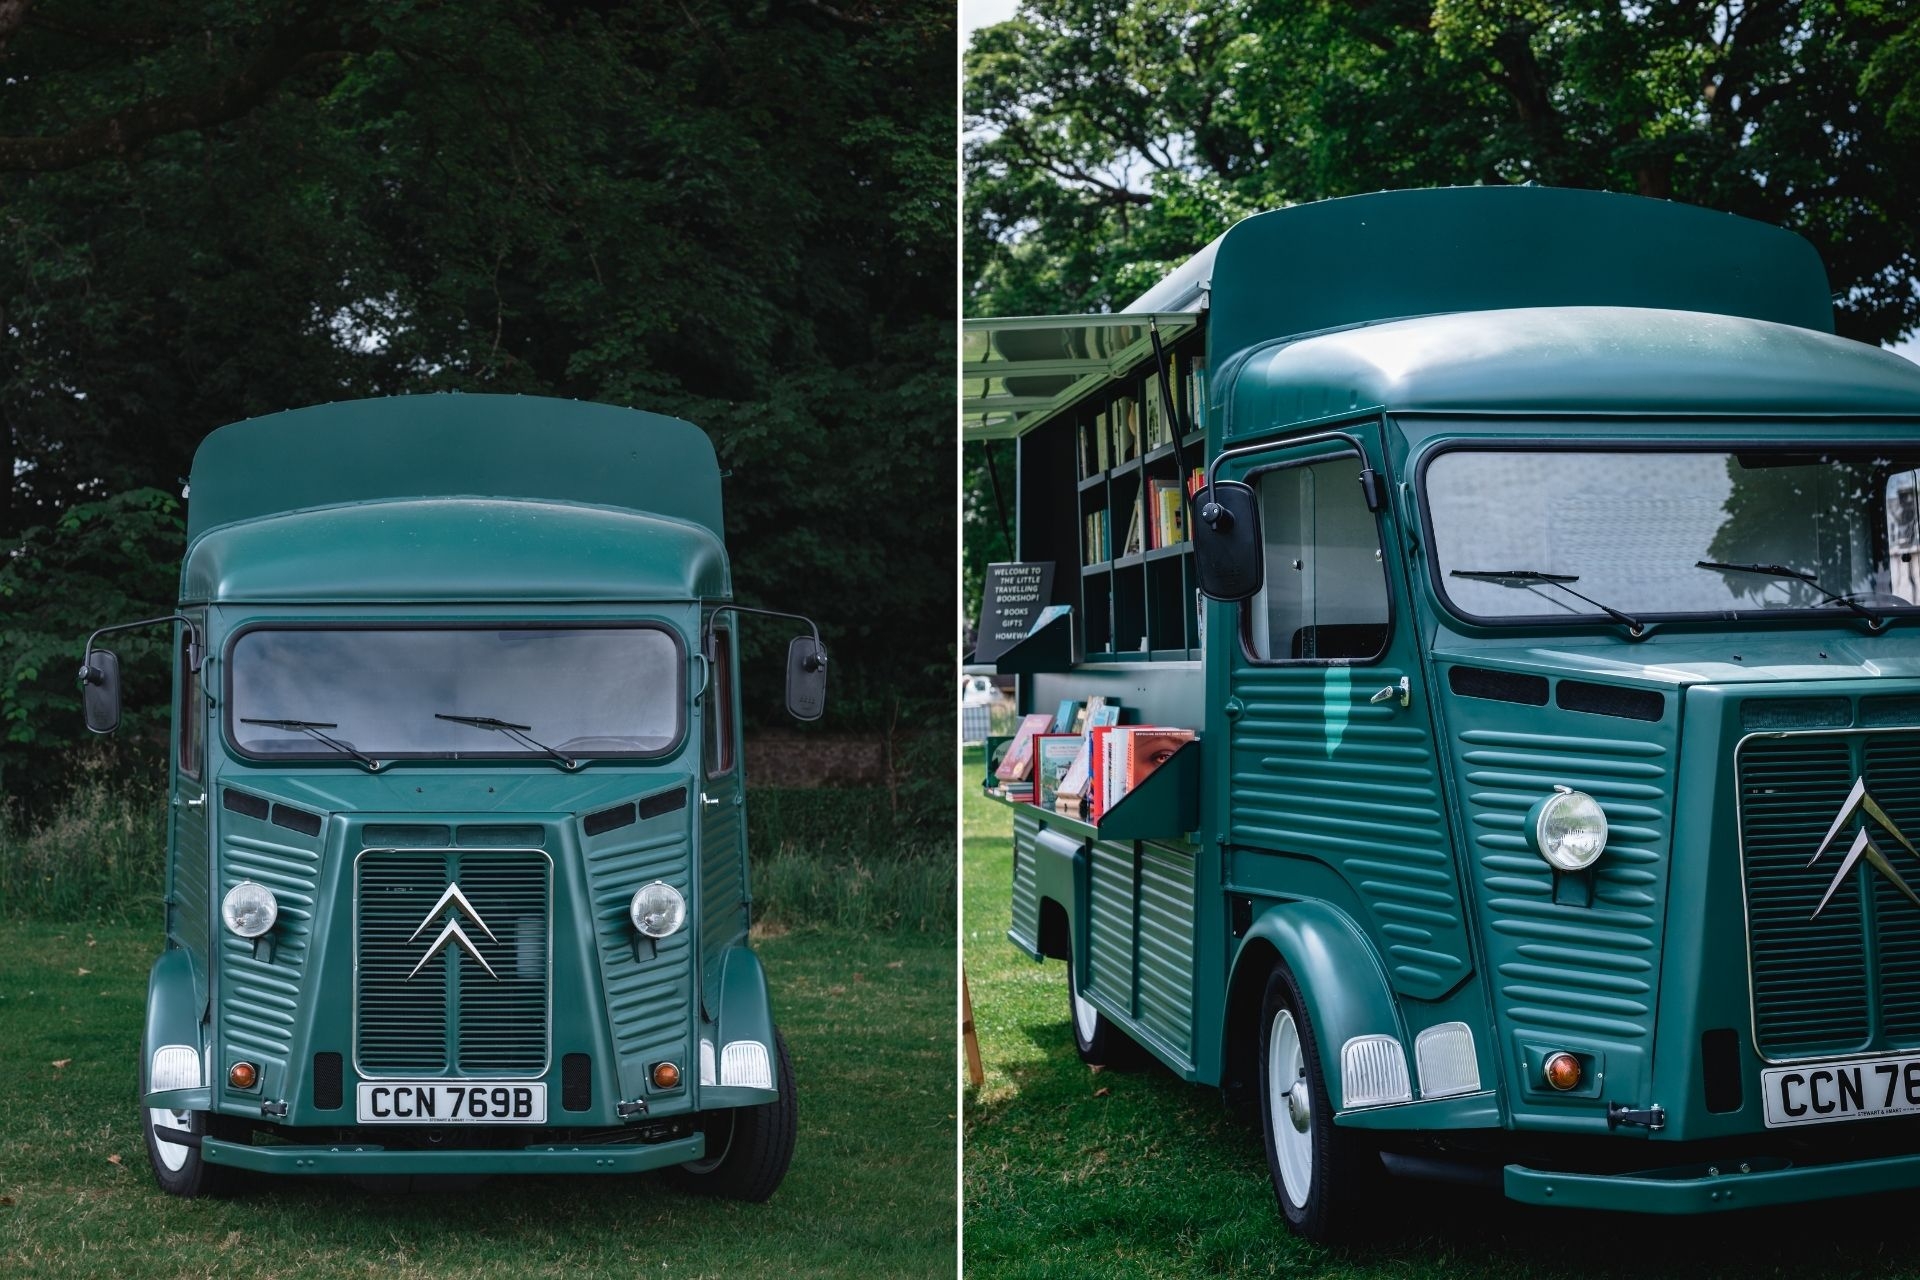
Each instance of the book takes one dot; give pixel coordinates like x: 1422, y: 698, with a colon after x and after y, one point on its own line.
x: 1053, y: 755
x: 1019, y: 759
x: 1063, y: 718
x: 1126, y: 429
x: 1048, y: 614
x: 1149, y: 747
x: 1102, y: 450
x: 1097, y: 756
x: 1194, y: 385
x: 1169, y: 514
x: 1156, y: 417
x: 1136, y: 526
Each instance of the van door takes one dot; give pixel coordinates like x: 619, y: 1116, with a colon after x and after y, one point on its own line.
x: 722, y: 908
x: 189, y: 860
x: 1331, y: 775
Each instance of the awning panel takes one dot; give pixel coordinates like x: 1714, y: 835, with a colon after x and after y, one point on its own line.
x: 1020, y: 370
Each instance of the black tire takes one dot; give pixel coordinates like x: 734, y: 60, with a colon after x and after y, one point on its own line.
x: 1100, y: 1042
x: 1343, y: 1172
x: 748, y: 1148
x: 193, y: 1177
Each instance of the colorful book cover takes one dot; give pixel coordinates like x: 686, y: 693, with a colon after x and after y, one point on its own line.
x: 1048, y: 614
x: 1149, y: 747
x: 1053, y: 755
x: 1063, y: 718
x: 1019, y: 760
x: 1096, y: 776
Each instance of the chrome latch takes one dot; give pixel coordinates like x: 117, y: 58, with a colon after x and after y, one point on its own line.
x: 1653, y: 1118
x: 631, y: 1110
x: 1403, y: 690
x: 273, y: 1108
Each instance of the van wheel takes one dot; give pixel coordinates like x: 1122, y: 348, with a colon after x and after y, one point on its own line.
x: 1101, y: 1044
x: 179, y: 1169
x: 748, y: 1148
x: 1324, y: 1177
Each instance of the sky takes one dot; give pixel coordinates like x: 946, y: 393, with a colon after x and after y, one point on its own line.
x: 984, y: 13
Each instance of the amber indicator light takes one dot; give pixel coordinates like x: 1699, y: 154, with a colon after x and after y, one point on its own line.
x: 1563, y: 1071
x: 243, y: 1076
x: 665, y: 1075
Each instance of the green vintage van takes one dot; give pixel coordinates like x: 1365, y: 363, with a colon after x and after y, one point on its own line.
x: 457, y: 874
x: 1550, y: 623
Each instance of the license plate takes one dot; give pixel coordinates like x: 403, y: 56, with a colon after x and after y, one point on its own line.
x: 451, y: 1102
x: 1849, y: 1089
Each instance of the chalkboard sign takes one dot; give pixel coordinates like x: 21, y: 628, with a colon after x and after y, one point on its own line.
x: 1014, y: 596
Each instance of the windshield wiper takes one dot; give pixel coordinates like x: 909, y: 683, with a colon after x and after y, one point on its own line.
x: 312, y: 729
x: 1782, y: 571
x: 518, y: 732
x: 1533, y: 577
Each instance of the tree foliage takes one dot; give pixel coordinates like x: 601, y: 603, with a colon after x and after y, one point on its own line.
x: 1111, y: 140
x: 736, y: 211
x: 1108, y: 140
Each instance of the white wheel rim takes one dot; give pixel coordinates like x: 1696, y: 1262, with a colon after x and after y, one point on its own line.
x: 1085, y: 1017
x: 171, y: 1154
x: 1288, y: 1097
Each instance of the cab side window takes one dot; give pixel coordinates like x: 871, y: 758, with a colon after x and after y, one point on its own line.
x: 1325, y: 595
x: 192, y: 714
x: 720, y: 706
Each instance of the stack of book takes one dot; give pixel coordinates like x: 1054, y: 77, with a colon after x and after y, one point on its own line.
x: 1015, y: 771
x: 1099, y: 536
x: 1169, y: 513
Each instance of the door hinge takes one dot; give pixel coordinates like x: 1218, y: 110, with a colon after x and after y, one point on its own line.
x: 1653, y: 1118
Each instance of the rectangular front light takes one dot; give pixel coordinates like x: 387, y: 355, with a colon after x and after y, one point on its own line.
x: 744, y: 1064
x: 175, y: 1066
x: 1373, y: 1072
x: 1446, y: 1060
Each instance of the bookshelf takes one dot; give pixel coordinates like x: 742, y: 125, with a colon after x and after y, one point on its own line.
x: 1103, y: 496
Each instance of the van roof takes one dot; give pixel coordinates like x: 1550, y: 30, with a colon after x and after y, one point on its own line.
x: 1571, y: 360
x: 454, y: 445
x: 455, y: 550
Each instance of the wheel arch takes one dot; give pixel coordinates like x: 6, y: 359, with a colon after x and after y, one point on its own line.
x: 176, y: 1005
x: 1340, y: 977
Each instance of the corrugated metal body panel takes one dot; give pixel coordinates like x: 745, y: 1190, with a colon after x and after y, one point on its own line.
x: 1110, y: 929
x: 1026, y: 891
x: 1569, y: 967
x: 1321, y: 773
x: 1849, y: 978
x: 260, y: 1000
x: 723, y: 878
x: 1166, y: 945
x: 649, y: 999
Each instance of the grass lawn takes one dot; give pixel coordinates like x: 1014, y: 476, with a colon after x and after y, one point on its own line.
x: 1072, y: 1172
x: 869, y: 1020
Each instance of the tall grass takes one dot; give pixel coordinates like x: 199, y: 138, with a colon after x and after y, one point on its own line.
x: 101, y: 855
x: 820, y: 856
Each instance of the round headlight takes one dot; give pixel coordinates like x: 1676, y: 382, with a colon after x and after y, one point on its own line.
x: 1570, y: 830
x: 249, y: 909
x: 658, y: 909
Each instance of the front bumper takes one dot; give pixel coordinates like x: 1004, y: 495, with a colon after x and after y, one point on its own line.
x: 366, y: 1158
x: 1703, y: 1188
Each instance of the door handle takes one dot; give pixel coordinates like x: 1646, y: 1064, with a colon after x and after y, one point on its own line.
x: 194, y: 803
x: 708, y: 800
x: 1403, y: 691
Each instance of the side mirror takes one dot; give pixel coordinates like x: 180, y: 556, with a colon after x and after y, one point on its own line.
x: 1226, y: 541
x: 806, y: 678
x: 100, y: 690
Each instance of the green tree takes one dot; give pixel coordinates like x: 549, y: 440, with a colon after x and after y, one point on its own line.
x: 735, y: 211
x: 1109, y: 141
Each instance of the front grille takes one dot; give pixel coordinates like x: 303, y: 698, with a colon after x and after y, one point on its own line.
x: 1849, y: 980
x: 450, y: 1016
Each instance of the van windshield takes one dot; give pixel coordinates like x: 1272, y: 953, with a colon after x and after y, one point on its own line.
x: 387, y: 692
x: 1554, y: 534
